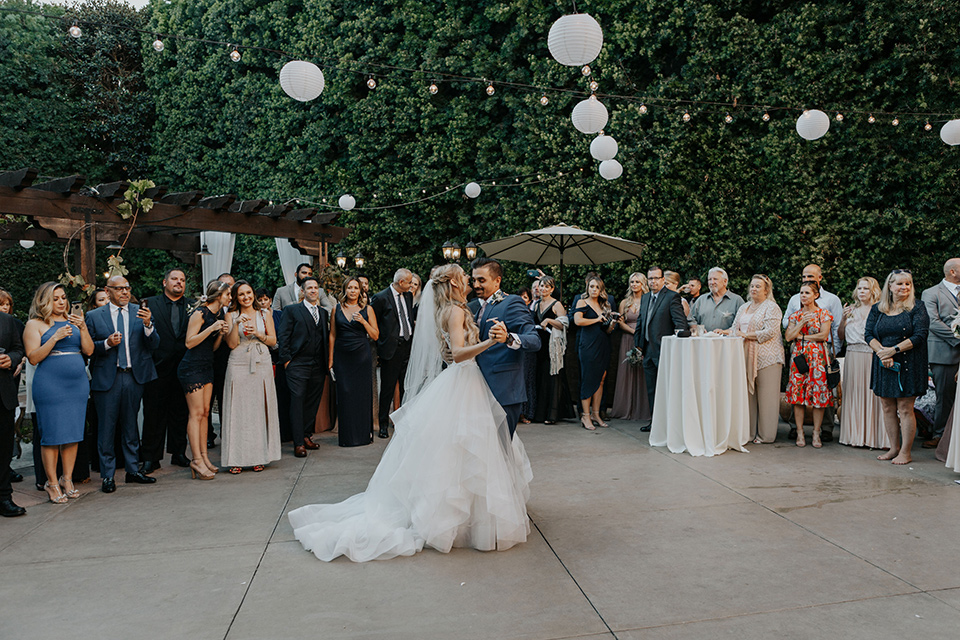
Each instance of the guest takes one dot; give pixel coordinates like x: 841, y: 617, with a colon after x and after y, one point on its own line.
x: 593, y: 316
x: 365, y: 284
x: 661, y: 314
x: 716, y: 311
x: 415, y: 290
x: 220, y: 358
x: 290, y: 294
x: 897, y: 330
x: 279, y: 376
x: 303, y: 352
x: 251, y: 428
x: 392, y: 308
x: 98, y: 299
x: 861, y: 421
x: 164, y: 405
x: 758, y: 323
x: 552, y: 397
x: 943, y: 347
x: 365, y: 287
x: 91, y: 434
x: 11, y: 359
x: 6, y: 306
x: 353, y: 326
x: 196, y: 372
x: 692, y: 289
x: 630, y: 400
x: 123, y: 339
x: 534, y: 291
x: 529, y: 366
x: 809, y: 329
x: 671, y: 280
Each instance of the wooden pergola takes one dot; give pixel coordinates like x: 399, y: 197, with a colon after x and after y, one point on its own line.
x: 63, y: 208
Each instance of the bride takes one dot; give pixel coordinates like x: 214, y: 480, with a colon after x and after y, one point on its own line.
x: 451, y: 476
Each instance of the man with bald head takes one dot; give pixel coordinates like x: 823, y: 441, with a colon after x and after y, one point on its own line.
x: 394, y: 309
x: 943, y: 348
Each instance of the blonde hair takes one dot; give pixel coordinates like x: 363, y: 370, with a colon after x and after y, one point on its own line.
x: 672, y: 277
x: 767, y: 284
x: 42, y: 306
x: 874, y: 291
x: 887, y: 304
x: 629, y: 299
x: 444, y: 301
x: 601, y: 296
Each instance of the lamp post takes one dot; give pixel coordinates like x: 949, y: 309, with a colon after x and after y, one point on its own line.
x: 452, y: 251
x: 471, y: 250
x: 358, y: 260
x: 341, y: 260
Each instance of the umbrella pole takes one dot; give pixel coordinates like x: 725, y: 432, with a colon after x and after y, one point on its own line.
x: 560, y: 283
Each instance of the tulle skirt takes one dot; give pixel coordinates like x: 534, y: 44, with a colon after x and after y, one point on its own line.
x: 450, y: 477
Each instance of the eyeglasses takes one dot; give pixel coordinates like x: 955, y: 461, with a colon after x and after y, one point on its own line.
x: 896, y: 271
x: 118, y: 288
x: 654, y: 278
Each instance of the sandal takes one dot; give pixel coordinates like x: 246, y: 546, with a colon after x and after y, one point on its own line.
x: 801, y: 442
x: 258, y: 468
x: 71, y: 492
x: 816, y: 439
x: 586, y: 423
x: 56, y: 498
x: 595, y: 418
x: 235, y: 470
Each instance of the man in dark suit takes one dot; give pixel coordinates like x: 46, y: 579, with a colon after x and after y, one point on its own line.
x: 303, y: 334
x: 123, y: 339
x: 164, y: 404
x: 661, y: 313
x: 11, y: 354
x: 394, y: 309
x: 506, y: 319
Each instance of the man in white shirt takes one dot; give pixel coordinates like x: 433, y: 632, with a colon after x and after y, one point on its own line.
x: 943, y: 347
x: 394, y: 309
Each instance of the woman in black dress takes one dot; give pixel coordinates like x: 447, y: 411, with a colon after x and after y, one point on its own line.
x: 552, y: 395
x: 595, y: 319
x: 896, y: 330
x: 352, y: 327
x: 204, y: 334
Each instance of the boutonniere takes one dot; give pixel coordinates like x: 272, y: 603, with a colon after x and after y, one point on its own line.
x: 955, y: 325
x: 497, y: 297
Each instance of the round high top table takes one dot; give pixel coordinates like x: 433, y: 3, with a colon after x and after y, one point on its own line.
x: 701, y: 399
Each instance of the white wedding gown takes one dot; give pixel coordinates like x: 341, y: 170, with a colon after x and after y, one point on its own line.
x: 450, y: 477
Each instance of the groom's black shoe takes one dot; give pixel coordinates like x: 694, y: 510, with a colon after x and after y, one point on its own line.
x: 383, y: 433
x: 139, y: 478
x: 645, y: 429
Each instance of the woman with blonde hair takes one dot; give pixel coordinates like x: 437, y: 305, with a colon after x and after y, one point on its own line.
x: 593, y: 315
x: 54, y: 339
x: 861, y: 421
x: 451, y: 475
x: 896, y: 330
x: 630, y: 396
x: 671, y: 280
x: 758, y: 323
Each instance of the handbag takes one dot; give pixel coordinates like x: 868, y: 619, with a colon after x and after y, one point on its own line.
x: 800, y: 361
x: 833, y: 370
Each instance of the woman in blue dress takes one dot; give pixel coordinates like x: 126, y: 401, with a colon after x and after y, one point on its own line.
x: 54, y: 342
x: 595, y: 319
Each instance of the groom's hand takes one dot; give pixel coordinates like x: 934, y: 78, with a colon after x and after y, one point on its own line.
x: 498, y: 332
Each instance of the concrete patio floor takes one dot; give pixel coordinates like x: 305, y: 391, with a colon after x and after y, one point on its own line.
x: 627, y: 542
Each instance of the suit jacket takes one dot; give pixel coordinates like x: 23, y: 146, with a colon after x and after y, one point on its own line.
x: 301, y: 339
x: 172, y: 346
x: 474, y: 306
x: 942, y: 346
x: 388, y: 321
x: 666, y: 316
x: 290, y: 294
x: 11, y: 339
x: 501, y: 366
x: 103, y: 363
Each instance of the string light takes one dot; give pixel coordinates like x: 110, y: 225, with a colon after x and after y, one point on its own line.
x: 235, y: 55
x: 544, y: 100
x: 765, y: 117
x: 686, y: 117
x: 586, y: 70
x: 594, y: 85
x: 433, y: 88
x: 371, y: 83
x: 158, y: 45
x: 728, y: 118
x: 838, y: 117
x: 928, y: 126
x: 490, y: 89
x: 643, y: 109
x: 895, y: 122
x: 75, y: 31
x: 871, y: 119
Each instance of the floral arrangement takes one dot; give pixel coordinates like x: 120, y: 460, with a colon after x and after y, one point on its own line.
x: 634, y: 357
x: 955, y: 325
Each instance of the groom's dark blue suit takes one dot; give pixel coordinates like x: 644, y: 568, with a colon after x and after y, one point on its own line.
x: 501, y: 366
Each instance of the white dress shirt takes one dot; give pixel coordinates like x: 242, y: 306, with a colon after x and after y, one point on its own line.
x: 405, y: 313
x: 952, y: 288
x: 114, y: 309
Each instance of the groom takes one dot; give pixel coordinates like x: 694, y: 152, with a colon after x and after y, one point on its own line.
x: 502, y: 364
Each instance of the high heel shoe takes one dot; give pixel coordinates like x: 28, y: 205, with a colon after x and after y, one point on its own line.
x: 586, y: 423
x: 816, y: 439
x: 801, y: 442
x: 209, y: 465
x: 58, y: 497
x: 71, y: 492
x: 595, y: 418
x: 199, y: 470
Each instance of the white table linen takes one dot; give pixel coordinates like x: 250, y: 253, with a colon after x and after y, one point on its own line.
x: 701, y: 399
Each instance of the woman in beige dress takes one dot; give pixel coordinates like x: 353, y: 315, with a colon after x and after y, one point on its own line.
x: 861, y: 419
x: 630, y: 396
x: 758, y: 323
x: 251, y: 420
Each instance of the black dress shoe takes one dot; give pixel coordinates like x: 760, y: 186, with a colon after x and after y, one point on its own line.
x: 383, y: 433
x: 8, y: 509
x: 149, y: 467
x: 645, y: 429
x: 792, y: 435
x: 826, y: 436
x: 15, y: 476
x: 107, y: 485
x: 139, y: 478
x: 180, y: 460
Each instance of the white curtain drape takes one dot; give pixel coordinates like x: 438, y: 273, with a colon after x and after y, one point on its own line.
x: 220, y: 244
x: 290, y: 257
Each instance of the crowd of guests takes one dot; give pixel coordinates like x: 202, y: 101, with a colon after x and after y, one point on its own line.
x: 265, y: 361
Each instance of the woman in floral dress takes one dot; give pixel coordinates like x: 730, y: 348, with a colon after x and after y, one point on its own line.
x: 809, y: 330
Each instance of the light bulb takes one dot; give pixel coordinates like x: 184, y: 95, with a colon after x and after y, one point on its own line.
x: 75, y: 31
x: 544, y: 100
x: 871, y: 119
x: 686, y: 117
x: 728, y: 118
x: 593, y: 97
x: 433, y: 89
x: 838, y: 117
x: 235, y: 55
x: 765, y: 117
x: 371, y: 83
x: 490, y: 89
x: 594, y: 85
x: 895, y: 122
x: 927, y: 127
x: 586, y: 70
x: 643, y: 109
x: 158, y: 45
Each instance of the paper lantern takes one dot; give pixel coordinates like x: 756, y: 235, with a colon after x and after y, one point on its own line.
x: 950, y: 133
x: 813, y: 124
x: 589, y: 116
x: 27, y: 244
x: 472, y: 190
x: 611, y: 169
x: 347, y: 202
x: 604, y: 148
x: 301, y: 80
x: 575, y: 40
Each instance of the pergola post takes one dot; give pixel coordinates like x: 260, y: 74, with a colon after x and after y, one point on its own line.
x: 88, y: 252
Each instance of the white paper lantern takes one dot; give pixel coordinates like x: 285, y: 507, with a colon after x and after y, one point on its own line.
x: 301, y: 80
x: 589, y: 116
x: 347, y: 202
x: 611, y: 169
x: 604, y: 148
x: 813, y: 124
x: 575, y: 40
x: 950, y: 133
x: 472, y: 190
x: 27, y: 244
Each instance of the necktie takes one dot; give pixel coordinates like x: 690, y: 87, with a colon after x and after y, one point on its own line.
x: 122, y: 355
x: 404, y: 325
x: 315, y: 314
x: 175, y: 317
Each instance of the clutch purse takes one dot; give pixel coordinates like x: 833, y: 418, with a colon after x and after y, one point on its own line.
x: 800, y: 362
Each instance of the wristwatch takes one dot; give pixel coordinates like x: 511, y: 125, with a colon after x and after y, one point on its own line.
x: 510, y: 340
x: 896, y: 349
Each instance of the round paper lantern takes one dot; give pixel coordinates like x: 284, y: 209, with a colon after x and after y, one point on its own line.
x: 472, y: 190
x: 347, y: 202
x: 611, y: 169
x: 604, y: 148
x: 27, y: 244
x: 301, y: 80
x: 589, y: 116
x: 575, y: 40
x: 813, y: 124
x: 950, y: 133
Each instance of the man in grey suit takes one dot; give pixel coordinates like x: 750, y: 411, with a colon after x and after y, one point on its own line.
x: 290, y: 294
x: 943, y: 348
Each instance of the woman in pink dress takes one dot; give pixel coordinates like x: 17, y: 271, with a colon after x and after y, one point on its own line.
x: 630, y: 395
